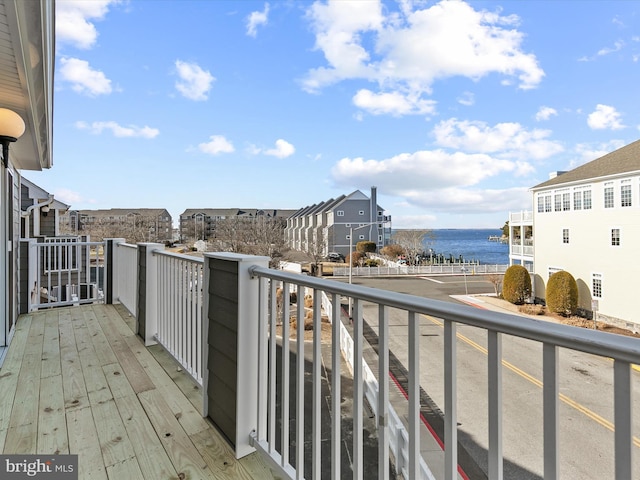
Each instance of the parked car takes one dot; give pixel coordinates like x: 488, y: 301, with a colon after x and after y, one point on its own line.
x: 335, y: 257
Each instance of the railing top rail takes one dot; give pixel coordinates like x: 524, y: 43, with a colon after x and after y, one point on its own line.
x: 590, y: 341
x: 69, y: 244
x: 180, y: 256
x: 128, y: 245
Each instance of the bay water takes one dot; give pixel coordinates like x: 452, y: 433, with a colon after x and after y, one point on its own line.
x: 471, y: 244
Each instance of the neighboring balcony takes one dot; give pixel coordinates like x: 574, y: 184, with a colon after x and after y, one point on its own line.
x: 225, y: 389
x: 521, y: 247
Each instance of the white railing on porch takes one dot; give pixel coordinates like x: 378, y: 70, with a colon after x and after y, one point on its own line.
x: 179, y: 322
x: 65, y: 271
x: 622, y: 350
x: 182, y: 286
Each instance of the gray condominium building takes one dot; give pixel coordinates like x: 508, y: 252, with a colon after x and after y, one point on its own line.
x: 328, y: 226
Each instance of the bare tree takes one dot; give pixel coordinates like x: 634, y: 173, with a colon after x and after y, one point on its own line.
x: 133, y: 228
x: 412, y: 241
x: 496, y: 281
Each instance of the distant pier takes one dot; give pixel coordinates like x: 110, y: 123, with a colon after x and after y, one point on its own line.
x: 499, y: 239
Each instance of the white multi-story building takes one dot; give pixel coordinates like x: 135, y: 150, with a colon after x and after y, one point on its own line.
x: 587, y: 222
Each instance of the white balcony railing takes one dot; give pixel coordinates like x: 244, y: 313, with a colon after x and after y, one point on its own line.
x: 179, y: 322
x: 245, y: 300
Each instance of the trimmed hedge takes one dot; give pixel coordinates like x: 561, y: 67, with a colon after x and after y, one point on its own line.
x: 561, y: 294
x: 516, y: 285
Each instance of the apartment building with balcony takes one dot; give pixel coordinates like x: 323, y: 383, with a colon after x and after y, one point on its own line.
x: 201, y: 223
x: 586, y: 221
x: 327, y: 226
x: 135, y: 224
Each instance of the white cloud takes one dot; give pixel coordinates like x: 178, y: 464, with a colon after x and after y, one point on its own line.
x: 413, y: 48
x: 467, y: 99
x: 477, y: 201
x: 83, y: 78
x: 67, y: 196
x: 194, y: 82
x: 545, y: 113
x: 586, y: 152
x: 506, y: 140
x: 421, y: 170
x: 283, y: 149
x: 617, y: 46
x: 393, y: 103
x: 74, y: 21
x: 605, y: 117
x: 218, y: 144
x: 257, y: 18
x: 119, y: 130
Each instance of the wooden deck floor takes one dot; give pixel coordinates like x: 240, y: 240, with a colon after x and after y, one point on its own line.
x: 77, y: 380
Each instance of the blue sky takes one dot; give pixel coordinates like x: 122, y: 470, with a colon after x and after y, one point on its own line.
x: 452, y: 109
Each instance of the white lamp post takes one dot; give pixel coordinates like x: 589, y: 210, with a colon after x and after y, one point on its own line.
x: 351, y: 229
x: 464, y: 272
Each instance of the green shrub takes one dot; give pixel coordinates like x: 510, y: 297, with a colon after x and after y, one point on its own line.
x: 562, y: 293
x: 516, y: 284
x: 366, y: 246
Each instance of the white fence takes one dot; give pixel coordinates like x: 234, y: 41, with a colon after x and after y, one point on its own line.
x: 179, y: 322
x: 444, y: 269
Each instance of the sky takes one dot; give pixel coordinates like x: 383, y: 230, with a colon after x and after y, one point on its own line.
x: 452, y: 109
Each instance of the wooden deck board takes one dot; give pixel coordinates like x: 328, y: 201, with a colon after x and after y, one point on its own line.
x: 9, y: 375
x: 78, y: 380
x: 52, y: 428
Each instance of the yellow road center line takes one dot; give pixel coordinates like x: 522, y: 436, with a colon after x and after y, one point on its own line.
x: 572, y: 403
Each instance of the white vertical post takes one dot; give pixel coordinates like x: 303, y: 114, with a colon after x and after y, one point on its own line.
x: 414, y: 395
x: 33, y: 281
x: 383, y: 392
x: 494, y: 342
x: 450, y: 401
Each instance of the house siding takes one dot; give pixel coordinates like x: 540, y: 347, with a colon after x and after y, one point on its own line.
x: 590, y: 250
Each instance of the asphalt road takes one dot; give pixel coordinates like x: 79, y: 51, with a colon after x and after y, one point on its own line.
x: 586, y: 386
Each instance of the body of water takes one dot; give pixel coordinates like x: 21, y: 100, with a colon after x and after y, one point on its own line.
x: 472, y: 244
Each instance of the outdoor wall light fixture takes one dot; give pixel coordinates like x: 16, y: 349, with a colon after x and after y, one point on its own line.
x: 11, y: 128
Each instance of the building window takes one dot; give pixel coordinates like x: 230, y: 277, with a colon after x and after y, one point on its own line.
x: 615, y: 237
x: 547, y: 203
x: 608, y: 197
x: 340, y: 213
x: 379, y: 238
x: 596, y: 285
x: 577, y: 200
x: 557, y: 201
x: 361, y: 212
x: 348, y: 225
x: 348, y: 237
x: 540, y: 204
x: 361, y: 237
x: 625, y: 195
x: 565, y: 235
x: 586, y: 199
x: 566, y: 201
